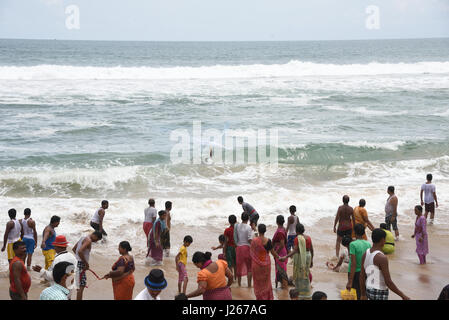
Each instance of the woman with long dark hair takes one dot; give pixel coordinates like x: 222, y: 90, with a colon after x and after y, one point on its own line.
x: 122, y: 273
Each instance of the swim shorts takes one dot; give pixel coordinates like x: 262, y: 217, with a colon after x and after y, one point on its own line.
x: 96, y: 227
x: 290, y: 242
x: 49, y: 256
x: 182, y: 272
x: 254, y: 218
x: 390, y: 223
x: 342, y: 233
x: 375, y: 294
x: 430, y: 207
x: 10, y: 251
x: 80, y: 277
x: 29, y: 244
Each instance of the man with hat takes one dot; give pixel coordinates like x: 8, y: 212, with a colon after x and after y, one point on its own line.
x: 155, y: 283
x: 62, y: 255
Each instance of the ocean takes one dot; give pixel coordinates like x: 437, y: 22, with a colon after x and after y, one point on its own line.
x: 83, y: 121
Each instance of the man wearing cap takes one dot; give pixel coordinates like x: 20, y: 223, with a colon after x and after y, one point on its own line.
x: 155, y: 283
x: 62, y: 255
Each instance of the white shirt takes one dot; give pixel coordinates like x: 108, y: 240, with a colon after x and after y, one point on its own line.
x: 86, y: 251
x: 96, y: 217
x: 243, y: 234
x: 27, y: 231
x: 429, y: 189
x: 292, y: 227
x: 374, y: 277
x: 150, y: 213
x: 145, y: 295
x: 14, y: 233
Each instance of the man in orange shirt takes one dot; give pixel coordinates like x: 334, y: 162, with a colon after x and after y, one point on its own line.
x: 361, y: 216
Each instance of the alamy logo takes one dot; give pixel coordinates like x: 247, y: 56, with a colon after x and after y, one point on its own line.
x: 373, y: 20
x: 228, y: 147
x: 73, y: 20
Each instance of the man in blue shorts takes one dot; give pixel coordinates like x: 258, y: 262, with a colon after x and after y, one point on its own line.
x: 28, y: 235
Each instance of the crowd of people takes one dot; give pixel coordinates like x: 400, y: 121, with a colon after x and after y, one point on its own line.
x: 246, y: 252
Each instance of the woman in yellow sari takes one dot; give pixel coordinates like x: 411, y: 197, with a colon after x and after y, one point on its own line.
x: 302, y: 261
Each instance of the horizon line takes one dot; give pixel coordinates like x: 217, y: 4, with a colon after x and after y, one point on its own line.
x: 303, y: 40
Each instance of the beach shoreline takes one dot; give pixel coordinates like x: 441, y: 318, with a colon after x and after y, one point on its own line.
x: 418, y: 282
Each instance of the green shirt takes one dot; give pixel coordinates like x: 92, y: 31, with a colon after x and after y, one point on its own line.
x: 358, y: 248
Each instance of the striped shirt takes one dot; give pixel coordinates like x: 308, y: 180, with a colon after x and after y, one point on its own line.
x: 55, y: 292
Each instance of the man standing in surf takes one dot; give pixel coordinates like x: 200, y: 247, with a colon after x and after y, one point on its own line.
x: 97, y: 219
x: 150, y: 216
x: 430, y: 201
x: 165, y: 235
x: 346, y: 221
x: 391, y: 212
x: 28, y: 235
x: 12, y: 234
x: 252, y: 213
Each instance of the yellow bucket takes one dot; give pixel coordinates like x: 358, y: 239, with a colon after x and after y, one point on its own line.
x: 348, y: 295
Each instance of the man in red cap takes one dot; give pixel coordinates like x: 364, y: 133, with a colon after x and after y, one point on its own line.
x: 62, y: 254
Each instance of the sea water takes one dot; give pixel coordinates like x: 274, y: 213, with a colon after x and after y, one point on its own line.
x: 83, y: 121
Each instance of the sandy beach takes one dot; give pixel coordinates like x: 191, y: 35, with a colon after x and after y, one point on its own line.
x: 418, y: 282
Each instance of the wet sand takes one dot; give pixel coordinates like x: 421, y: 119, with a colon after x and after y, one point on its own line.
x: 418, y: 282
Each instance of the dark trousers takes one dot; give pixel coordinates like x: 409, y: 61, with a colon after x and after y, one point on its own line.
x: 356, y: 283
x: 96, y: 227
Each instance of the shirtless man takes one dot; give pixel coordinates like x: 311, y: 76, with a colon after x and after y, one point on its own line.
x: 391, y: 212
x: 82, y: 251
x: 345, y: 215
x: 97, y: 219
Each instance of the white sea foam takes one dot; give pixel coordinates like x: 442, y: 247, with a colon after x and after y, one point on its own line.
x: 392, y: 145
x: 270, y: 193
x: 293, y: 68
x: 443, y: 113
x: 40, y: 133
x: 365, y: 111
x: 35, y: 115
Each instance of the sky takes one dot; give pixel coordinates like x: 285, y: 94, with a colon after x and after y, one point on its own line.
x: 226, y: 20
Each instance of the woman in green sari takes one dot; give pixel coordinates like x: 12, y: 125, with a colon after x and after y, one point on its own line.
x: 302, y: 262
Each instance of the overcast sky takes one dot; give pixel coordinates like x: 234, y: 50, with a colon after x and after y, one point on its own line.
x: 225, y: 20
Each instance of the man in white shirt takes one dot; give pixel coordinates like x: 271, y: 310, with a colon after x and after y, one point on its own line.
x: 62, y: 255
x: 155, y: 282
x: 430, y: 201
x: 12, y: 234
x: 150, y: 216
x: 243, y: 234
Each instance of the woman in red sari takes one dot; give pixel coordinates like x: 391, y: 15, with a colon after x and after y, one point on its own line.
x: 280, y: 247
x: 261, y: 248
x: 122, y: 273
